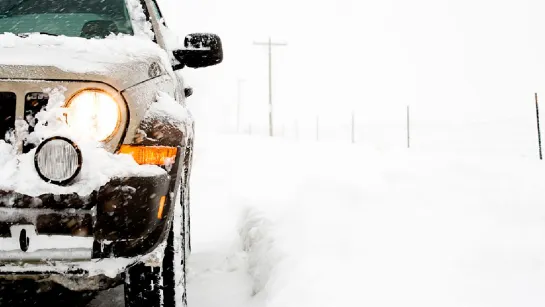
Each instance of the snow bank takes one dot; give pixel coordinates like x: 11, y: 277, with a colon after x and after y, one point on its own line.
x: 262, y: 257
x: 18, y: 173
x: 341, y: 225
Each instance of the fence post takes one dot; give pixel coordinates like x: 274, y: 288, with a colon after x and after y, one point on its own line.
x: 538, y: 129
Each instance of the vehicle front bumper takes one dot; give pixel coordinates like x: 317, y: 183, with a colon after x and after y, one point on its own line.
x: 88, y: 245
x: 91, y: 275
x: 124, y: 218
x: 87, y: 242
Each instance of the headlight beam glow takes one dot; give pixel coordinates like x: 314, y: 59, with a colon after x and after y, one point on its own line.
x: 94, y: 113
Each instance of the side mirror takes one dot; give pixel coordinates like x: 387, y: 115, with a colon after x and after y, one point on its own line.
x: 200, y: 50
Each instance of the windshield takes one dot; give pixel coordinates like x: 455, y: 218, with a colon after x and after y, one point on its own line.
x: 81, y: 18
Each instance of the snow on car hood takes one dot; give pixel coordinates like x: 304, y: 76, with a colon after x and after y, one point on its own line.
x: 119, y: 60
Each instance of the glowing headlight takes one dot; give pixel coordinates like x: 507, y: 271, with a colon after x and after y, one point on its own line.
x: 93, y: 113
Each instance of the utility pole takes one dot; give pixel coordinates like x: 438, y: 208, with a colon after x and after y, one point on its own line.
x: 239, y: 101
x: 270, y: 44
x: 538, y: 130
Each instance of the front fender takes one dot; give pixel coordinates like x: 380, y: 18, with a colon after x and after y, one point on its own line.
x: 165, y: 123
x: 139, y: 99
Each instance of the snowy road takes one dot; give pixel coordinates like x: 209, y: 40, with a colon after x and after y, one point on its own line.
x: 282, y: 224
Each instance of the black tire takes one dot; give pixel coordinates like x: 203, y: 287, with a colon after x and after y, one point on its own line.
x: 158, y: 286
x: 186, y: 229
x: 174, y: 274
x: 142, y: 286
x: 186, y: 203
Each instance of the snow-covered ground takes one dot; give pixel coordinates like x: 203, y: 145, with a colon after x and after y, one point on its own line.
x: 280, y: 223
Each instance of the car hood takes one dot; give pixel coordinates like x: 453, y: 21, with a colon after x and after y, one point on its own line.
x: 120, y: 61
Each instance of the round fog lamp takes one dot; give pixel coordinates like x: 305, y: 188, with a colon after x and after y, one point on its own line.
x: 58, y: 160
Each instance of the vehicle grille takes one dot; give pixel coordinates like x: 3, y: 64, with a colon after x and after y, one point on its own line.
x: 34, y: 102
x: 8, y: 102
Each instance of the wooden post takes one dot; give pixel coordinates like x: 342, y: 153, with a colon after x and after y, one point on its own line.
x: 538, y: 129
x: 270, y: 44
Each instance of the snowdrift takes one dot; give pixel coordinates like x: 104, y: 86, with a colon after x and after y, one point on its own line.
x: 277, y: 223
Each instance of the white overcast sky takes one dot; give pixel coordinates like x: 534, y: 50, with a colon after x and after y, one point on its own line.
x: 451, y: 60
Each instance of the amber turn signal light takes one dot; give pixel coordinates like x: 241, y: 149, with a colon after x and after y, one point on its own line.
x: 155, y: 155
x: 161, y: 207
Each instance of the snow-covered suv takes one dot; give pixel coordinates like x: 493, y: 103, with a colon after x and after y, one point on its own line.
x: 95, y: 147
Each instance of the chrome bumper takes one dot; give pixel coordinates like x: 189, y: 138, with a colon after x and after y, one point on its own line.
x: 25, y: 245
x: 89, y: 275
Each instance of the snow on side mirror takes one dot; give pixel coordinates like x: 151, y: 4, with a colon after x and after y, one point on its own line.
x: 200, y: 50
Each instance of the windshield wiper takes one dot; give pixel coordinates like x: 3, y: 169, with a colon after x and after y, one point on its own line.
x: 25, y: 35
